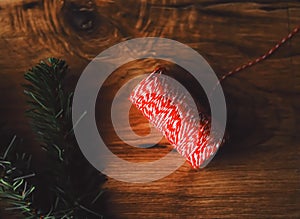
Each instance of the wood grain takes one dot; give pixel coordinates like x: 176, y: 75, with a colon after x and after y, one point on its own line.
x: 256, y: 174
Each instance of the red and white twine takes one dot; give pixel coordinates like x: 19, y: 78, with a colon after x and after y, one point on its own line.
x: 169, y: 109
x: 264, y: 56
x: 173, y: 112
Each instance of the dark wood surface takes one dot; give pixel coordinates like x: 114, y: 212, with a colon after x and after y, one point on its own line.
x: 257, y: 172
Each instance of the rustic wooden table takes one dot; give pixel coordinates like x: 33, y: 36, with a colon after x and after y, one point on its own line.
x: 256, y: 174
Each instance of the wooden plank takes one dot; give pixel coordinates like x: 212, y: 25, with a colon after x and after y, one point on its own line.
x: 256, y: 174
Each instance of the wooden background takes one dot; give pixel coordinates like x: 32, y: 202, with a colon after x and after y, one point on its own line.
x: 257, y: 172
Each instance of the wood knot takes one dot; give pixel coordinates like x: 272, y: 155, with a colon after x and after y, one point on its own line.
x: 81, y: 16
x: 31, y: 5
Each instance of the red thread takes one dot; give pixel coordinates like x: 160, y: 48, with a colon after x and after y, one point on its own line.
x: 152, y: 104
x: 167, y: 108
x: 264, y: 56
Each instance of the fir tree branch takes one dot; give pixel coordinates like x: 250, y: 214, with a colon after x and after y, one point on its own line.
x: 51, y: 119
x: 15, y: 191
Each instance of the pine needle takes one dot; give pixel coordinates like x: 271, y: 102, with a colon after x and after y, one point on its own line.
x: 50, y: 112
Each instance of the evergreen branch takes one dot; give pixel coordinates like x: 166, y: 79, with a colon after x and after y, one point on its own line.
x: 15, y: 191
x: 50, y: 113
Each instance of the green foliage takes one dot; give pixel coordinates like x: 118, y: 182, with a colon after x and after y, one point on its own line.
x: 15, y: 190
x: 73, y: 184
x: 50, y: 106
x: 69, y: 174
